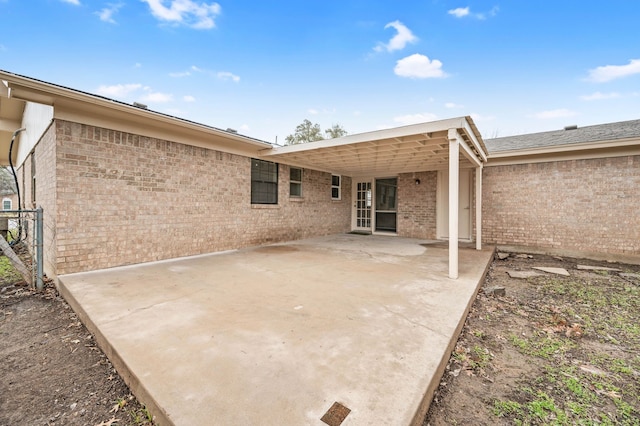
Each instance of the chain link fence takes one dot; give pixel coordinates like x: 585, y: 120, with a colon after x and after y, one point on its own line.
x: 22, y: 243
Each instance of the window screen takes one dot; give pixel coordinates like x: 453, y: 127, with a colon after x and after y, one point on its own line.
x: 295, y: 182
x: 264, y: 182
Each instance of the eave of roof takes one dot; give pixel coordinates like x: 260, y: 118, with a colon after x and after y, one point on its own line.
x: 566, y: 139
x: 418, y: 147
x: 597, y: 141
x: 33, y: 90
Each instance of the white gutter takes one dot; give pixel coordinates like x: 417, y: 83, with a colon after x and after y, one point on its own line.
x: 41, y: 92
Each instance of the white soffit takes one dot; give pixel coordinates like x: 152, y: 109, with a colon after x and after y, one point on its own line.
x: 414, y: 148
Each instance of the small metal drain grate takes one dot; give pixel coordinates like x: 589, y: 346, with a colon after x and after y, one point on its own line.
x: 336, y: 414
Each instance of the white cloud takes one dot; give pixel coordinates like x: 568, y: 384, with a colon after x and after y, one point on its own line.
x: 324, y: 111
x: 157, y: 97
x: 73, y: 2
x: 128, y: 91
x: 398, y: 41
x: 188, y: 98
x: 118, y: 90
x: 479, y: 118
x: 245, y: 128
x: 611, y: 72
x: 554, y: 113
x: 599, y: 96
x: 459, y: 12
x: 462, y: 12
x: 225, y: 75
x: 179, y: 74
x: 452, y: 105
x: 405, y: 120
x: 106, y: 14
x: 186, y: 12
x: 196, y: 69
x: 493, y: 12
x: 419, y: 66
x: 137, y: 65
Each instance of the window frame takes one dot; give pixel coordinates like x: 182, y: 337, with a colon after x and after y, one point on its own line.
x: 7, y: 200
x: 260, y: 177
x: 296, y: 182
x: 337, y: 187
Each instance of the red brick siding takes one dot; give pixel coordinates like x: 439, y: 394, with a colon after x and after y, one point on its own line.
x: 124, y: 199
x: 579, y: 205
x: 45, y: 153
x: 45, y: 163
x: 417, y: 205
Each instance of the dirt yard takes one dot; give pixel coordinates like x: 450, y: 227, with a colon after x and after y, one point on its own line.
x: 552, y: 349
x: 51, y: 371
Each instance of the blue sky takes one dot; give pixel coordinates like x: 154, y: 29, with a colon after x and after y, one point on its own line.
x: 263, y: 67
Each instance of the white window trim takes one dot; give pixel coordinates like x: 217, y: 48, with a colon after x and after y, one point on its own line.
x: 339, y: 187
x: 10, y: 203
x: 299, y: 182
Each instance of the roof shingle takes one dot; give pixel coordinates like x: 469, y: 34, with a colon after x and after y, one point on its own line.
x: 596, y: 133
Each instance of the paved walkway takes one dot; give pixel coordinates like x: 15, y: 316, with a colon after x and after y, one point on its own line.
x: 276, y: 335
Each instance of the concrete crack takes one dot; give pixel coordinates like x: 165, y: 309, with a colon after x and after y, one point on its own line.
x: 144, y: 308
x: 409, y: 320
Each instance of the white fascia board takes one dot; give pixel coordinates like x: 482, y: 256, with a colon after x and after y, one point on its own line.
x: 48, y: 94
x: 454, y: 134
x: 396, y: 132
x: 468, y: 152
x: 559, y: 149
x: 4, y: 88
x: 471, y: 131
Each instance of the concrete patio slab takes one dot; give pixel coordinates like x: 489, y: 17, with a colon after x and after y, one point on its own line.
x: 275, y: 335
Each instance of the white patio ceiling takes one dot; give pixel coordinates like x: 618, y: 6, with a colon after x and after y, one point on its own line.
x: 418, y: 147
x: 438, y: 145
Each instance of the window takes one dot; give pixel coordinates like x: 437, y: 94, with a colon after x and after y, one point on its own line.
x: 264, y: 182
x: 335, y: 187
x: 6, y: 204
x: 295, y: 182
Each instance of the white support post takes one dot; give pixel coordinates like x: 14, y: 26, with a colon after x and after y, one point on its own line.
x: 454, y: 188
x: 479, y: 208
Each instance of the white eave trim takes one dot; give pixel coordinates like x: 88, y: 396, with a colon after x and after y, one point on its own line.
x: 45, y: 93
x: 396, y: 132
x: 566, y: 148
x: 600, y: 149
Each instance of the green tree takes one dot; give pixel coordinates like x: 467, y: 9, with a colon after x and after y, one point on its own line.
x: 336, y: 131
x: 310, y: 132
x: 305, y: 132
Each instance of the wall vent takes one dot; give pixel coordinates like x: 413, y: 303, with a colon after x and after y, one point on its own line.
x: 139, y: 105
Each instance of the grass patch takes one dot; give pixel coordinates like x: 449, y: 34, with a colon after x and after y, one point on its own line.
x: 565, y: 350
x: 8, y: 274
x: 541, y: 345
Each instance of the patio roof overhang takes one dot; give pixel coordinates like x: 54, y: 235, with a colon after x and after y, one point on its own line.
x: 438, y: 145
x: 414, y: 148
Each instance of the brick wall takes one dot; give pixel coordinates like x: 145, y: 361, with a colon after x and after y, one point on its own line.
x: 45, y: 194
x: 45, y: 164
x: 417, y: 205
x: 124, y: 198
x: 579, y: 205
